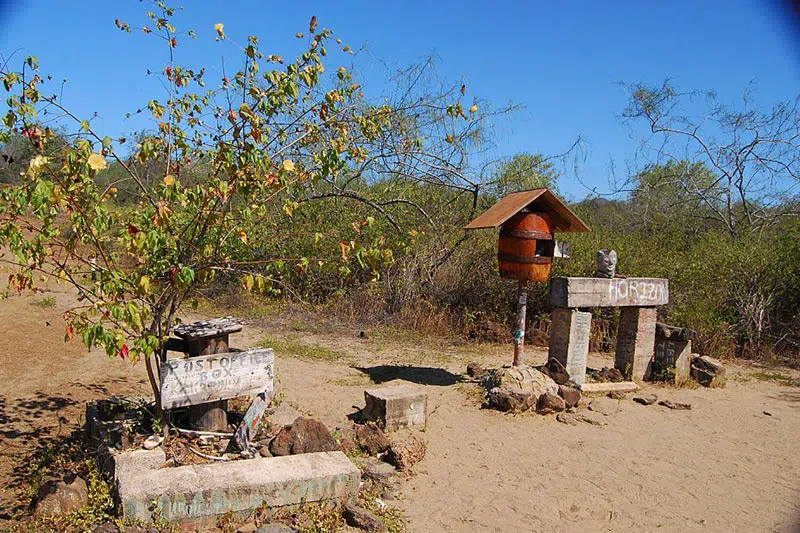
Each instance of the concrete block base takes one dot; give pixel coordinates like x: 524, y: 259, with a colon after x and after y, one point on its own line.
x: 192, y: 492
x: 396, y: 406
x: 635, y: 342
x: 672, y: 360
x: 569, y: 341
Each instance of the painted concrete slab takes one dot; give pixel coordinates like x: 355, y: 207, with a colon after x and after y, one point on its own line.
x: 196, y: 491
x: 569, y: 341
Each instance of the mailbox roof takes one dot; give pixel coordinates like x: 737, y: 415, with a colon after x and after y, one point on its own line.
x: 564, y: 220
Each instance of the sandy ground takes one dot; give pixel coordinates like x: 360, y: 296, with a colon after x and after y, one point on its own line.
x: 723, y: 466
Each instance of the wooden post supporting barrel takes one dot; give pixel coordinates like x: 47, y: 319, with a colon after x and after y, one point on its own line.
x: 524, y: 253
x: 526, y: 247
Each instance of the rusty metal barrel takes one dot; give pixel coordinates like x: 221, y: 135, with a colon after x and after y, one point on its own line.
x: 525, y: 249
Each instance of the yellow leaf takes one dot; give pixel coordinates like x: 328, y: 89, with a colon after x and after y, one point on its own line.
x: 37, y: 163
x: 169, y: 180
x: 288, y: 165
x: 97, y: 162
x: 220, y: 27
x: 243, y: 236
x: 473, y: 109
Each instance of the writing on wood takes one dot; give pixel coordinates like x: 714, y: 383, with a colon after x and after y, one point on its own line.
x: 215, y: 377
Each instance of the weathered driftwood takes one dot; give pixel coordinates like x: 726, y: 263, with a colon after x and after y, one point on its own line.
x: 617, y: 292
x: 204, y: 329
x: 208, y: 378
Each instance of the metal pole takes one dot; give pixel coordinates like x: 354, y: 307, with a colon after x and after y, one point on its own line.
x: 519, y: 334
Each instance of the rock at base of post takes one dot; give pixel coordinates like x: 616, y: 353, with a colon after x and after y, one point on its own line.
x: 396, y: 406
x: 636, y: 342
x: 569, y: 341
x: 708, y: 371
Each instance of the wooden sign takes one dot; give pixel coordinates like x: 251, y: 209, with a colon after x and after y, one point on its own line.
x: 615, y: 292
x: 221, y: 376
x: 252, y: 418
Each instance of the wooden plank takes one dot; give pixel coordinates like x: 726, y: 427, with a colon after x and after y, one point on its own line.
x: 222, y: 376
x: 621, y: 386
x: 203, y: 329
x: 615, y: 292
x: 252, y: 418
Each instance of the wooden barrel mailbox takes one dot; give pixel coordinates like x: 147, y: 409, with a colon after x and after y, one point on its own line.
x: 526, y: 247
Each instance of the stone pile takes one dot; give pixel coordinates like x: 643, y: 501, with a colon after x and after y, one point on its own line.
x: 546, y: 389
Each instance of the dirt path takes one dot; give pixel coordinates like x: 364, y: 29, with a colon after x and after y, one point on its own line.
x: 723, y: 466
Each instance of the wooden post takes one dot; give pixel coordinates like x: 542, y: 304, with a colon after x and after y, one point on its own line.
x: 206, y: 338
x: 519, y: 334
x: 212, y: 416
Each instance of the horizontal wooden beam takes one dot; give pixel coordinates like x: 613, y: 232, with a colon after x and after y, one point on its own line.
x: 614, y: 292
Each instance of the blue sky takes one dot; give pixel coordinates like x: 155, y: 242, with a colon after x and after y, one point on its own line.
x: 562, y: 60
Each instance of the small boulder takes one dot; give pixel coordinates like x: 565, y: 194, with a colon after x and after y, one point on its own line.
x: 372, y: 439
x: 567, y: 418
x: 61, y: 496
x: 646, y: 399
x: 152, y: 442
x: 510, y: 400
x: 359, y: 517
x: 616, y: 394
x: 605, y: 406
x: 609, y: 374
x: 523, y: 378
x: 556, y: 371
x: 406, y: 450
x: 305, y: 435
x: 379, y: 471
x: 475, y: 370
x: 571, y: 395
x: 550, y: 403
x: 592, y: 418
x: 708, y: 371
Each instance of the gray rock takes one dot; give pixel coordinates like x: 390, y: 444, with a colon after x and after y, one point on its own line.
x: 708, y: 371
x: 556, y: 371
x: 475, y: 370
x: 594, y: 419
x: 524, y: 379
x: 379, y: 471
x: 567, y: 418
x: 675, y: 405
x: 510, y: 400
x: 62, y: 496
x: 361, y: 518
x: 646, y: 399
x: 605, y: 406
x: 372, y: 439
x: 550, y: 403
x: 406, y: 450
x: 571, y: 395
x: 305, y: 435
x: 153, y: 441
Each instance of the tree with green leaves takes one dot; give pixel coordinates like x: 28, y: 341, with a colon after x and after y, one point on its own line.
x: 754, y: 154
x: 271, y: 138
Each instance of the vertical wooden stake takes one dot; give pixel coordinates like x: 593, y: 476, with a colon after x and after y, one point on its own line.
x: 519, y: 334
